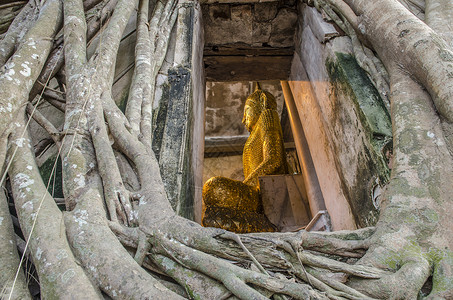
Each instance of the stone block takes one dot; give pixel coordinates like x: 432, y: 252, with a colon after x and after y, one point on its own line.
x: 222, y: 12
x: 285, y: 201
x: 226, y: 24
x: 257, y: 24
x: 260, y: 34
x: 241, y: 12
x: 282, y: 34
x: 322, y: 30
x: 265, y: 12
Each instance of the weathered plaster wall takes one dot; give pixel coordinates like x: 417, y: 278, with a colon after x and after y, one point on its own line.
x: 315, y: 126
x: 225, y: 105
x: 228, y: 166
x: 362, y: 120
x: 344, y: 120
x: 260, y: 23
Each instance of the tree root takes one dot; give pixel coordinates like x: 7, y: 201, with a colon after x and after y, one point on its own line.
x: 234, y: 278
x: 16, y: 30
x: 337, y: 266
x: 143, y: 248
x: 336, y: 287
x: 168, y: 245
x: 237, y: 239
x: 195, y: 283
x: 39, y: 216
x: 195, y: 269
x: 443, y: 278
x: 116, y: 196
x: 9, y: 264
x: 129, y: 237
x: 182, y: 244
x: 184, y: 241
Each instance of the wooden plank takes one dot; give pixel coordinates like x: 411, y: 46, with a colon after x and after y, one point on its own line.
x: 298, y: 199
x: 284, y: 201
x: 234, y: 145
x: 274, y: 195
x: 237, y: 68
x: 241, y: 49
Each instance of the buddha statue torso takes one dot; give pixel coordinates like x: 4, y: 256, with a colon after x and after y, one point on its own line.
x: 265, y: 144
x: 234, y: 205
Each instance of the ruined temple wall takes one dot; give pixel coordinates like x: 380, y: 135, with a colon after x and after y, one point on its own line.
x: 344, y: 120
x: 225, y: 105
x: 182, y: 141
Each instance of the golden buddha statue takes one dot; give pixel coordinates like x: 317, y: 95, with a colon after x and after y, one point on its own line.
x: 234, y: 205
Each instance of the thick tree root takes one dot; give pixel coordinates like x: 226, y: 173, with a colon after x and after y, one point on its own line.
x: 9, y: 264
x: 234, y: 278
x: 178, y: 254
x: 337, y: 266
x: 40, y: 217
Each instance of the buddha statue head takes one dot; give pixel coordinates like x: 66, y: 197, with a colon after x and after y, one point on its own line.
x: 255, y: 104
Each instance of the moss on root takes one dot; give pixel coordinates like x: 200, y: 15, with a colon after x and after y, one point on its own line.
x: 371, y: 117
x: 55, y: 187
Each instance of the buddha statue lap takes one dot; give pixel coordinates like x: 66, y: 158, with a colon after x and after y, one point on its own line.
x: 234, y: 205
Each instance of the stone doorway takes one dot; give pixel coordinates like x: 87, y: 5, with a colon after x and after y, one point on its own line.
x: 245, y: 41
x: 344, y: 124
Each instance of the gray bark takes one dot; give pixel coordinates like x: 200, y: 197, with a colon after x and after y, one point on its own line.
x: 17, y: 30
x: 42, y: 224
x: 10, y: 270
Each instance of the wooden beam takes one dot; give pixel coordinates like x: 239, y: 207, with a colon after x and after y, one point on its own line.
x: 242, y: 49
x: 229, y: 145
x: 237, y: 68
x: 224, y: 145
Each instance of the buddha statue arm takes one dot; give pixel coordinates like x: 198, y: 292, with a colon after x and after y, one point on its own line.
x: 272, y: 147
